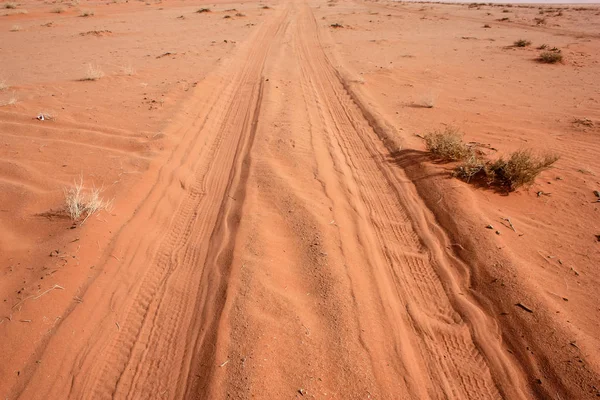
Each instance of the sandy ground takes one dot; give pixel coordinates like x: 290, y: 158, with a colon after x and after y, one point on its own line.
x: 277, y: 229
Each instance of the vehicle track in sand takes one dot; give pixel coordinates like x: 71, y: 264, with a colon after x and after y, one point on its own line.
x: 279, y: 253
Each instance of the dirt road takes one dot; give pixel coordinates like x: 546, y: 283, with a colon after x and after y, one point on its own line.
x: 280, y: 252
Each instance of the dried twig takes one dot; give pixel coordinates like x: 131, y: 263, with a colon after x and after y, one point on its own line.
x: 510, y: 223
x: 39, y: 295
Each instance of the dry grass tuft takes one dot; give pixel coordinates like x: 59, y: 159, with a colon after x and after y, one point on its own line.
x: 128, y: 70
x: 15, y: 28
x: 93, y: 73
x: 89, y: 13
x: 57, y: 10
x: 447, y: 145
x: 521, y: 168
x: 203, y: 10
x: 522, y: 43
x: 550, y: 57
x: 9, y: 6
x: 81, y: 203
x: 3, y: 85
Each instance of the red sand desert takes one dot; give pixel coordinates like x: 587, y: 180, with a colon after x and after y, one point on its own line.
x: 268, y: 222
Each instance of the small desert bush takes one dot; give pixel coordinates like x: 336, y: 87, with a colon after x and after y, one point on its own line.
x: 57, y: 10
x: 89, y: 13
x: 521, y: 168
x: 9, y: 6
x: 522, y: 43
x: 542, y: 47
x: 471, y: 167
x: 550, y: 57
x: 15, y: 28
x: 336, y: 25
x: 447, y: 145
x: 81, y: 203
x: 93, y: 73
x: 128, y: 70
x: 3, y: 85
x: 203, y: 10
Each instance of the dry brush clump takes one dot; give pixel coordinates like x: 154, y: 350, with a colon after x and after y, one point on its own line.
x: 92, y: 73
x: 522, y: 43
x: 447, y: 145
x: 519, y: 169
x: 81, y: 203
x: 550, y: 57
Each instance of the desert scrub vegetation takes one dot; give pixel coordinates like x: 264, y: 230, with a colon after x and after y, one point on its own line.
x: 550, y: 57
x: 522, y: 43
x: 92, y: 73
x: 447, y: 145
x: 9, y: 6
x: 3, y: 85
x: 520, y: 168
x: 128, y: 70
x: 15, y: 28
x: 89, y: 13
x: 80, y: 203
x: 57, y: 10
x: 203, y: 10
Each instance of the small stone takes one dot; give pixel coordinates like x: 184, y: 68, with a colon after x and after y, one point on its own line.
x: 497, y: 232
x: 490, y: 227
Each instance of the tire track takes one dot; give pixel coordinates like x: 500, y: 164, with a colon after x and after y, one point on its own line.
x: 470, y: 361
x: 158, y: 286
x: 392, y: 315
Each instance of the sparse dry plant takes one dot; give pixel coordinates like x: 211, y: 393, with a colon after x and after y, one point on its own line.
x: 471, y: 167
x: 92, y: 73
x: 550, y: 57
x: 81, y: 203
x: 522, y: 43
x: 15, y: 28
x: 128, y: 70
x: 3, y: 85
x: 447, y: 145
x: 57, y: 10
x: 9, y: 6
x: 521, y: 168
x: 203, y: 10
x: 89, y: 13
